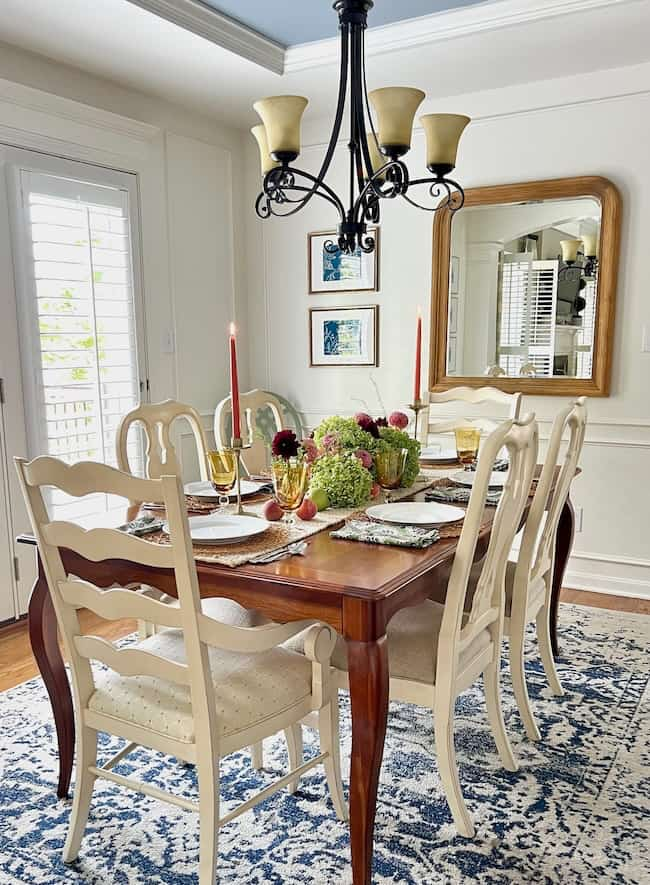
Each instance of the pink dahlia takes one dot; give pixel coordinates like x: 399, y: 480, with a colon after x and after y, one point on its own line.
x: 399, y: 420
x: 365, y: 458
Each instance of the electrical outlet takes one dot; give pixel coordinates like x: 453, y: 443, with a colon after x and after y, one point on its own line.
x: 578, y: 519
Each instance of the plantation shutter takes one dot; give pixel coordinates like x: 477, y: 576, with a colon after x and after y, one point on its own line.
x: 527, y: 305
x: 82, y: 313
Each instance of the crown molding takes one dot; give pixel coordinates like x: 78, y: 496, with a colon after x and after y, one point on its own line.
x: 440, y: 26
x: 219, y: 29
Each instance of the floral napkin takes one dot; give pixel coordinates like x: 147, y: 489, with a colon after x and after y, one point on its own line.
x: 383, y: 533
x: 458, y: 495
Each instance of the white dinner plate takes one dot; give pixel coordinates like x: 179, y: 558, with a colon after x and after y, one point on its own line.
x: 206, y: 489
x: 466, y: 478
x: 437, y: 453
x: 224, y: 528
x: 416, y: 513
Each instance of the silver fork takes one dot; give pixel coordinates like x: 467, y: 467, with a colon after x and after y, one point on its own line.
x: 296, y: 548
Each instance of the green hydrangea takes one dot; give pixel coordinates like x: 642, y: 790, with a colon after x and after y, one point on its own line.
x: 391, y: 438
x: 343, y: 477
x: 351, y: 436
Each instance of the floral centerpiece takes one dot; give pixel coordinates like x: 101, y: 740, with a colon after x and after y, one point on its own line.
x: 341, y: 453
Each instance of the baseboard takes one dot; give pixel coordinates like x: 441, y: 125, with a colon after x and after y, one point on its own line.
x: 607, y: 584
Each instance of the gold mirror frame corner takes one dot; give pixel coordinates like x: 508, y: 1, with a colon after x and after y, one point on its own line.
x: 610, y: 233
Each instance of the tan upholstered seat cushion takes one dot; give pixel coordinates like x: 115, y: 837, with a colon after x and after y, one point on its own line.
x: 249, y: 688
x: 230, y: 612
x: 412, y: 644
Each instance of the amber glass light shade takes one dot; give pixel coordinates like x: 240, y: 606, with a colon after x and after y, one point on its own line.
x: 281, y: 115
x: 443, y: 132
x: 395, y: 107
x: 266, y: 161
x: 376, y: 157
x: 590, y: 244
x: 570, y: 249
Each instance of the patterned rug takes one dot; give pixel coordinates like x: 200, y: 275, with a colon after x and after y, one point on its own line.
x: 577, y: 811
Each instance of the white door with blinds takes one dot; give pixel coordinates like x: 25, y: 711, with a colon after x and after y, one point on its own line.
x: 80, y: 310
x: 526, y: 314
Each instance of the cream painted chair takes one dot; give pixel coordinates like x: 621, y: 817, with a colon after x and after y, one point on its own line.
x: 437, y: 651
x: 529, y: 579
x: 461, y: 401
x: 263, y: 414
x: 198, y: 690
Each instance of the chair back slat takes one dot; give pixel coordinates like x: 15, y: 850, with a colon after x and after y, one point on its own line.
x: 84, y: 478
x: 449, y: 409
x: 131, y: 661
x: 520, y: 439
x: 102, y: 543
x: 156, y: 420
x: 112, y: 604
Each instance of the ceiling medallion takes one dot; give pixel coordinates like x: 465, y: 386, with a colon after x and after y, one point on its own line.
x: 377, y: 171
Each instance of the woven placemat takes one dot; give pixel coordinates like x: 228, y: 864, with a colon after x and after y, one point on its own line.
x: 279, y: 534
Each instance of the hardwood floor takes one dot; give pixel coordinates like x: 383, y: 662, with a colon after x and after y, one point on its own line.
x: 18, y: 665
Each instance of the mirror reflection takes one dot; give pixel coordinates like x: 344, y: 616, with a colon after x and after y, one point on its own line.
x: 523, y: 285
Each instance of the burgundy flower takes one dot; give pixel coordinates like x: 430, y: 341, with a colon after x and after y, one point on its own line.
x: 381, y: 422
x: 285, y: 445
x: 365, y: 458
x: 366, y: 423
x: 362, y: 416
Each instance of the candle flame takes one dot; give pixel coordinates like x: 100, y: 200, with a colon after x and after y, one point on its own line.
x: 233, y: 329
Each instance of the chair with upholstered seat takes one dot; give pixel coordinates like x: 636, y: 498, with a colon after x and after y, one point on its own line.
x: 529, y: 579
x: 197, y: 690
x: 263, y: 414
x: 437, y: 651
x: 449, y: 409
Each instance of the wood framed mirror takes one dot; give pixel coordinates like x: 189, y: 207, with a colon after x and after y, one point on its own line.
x: 524, y: 288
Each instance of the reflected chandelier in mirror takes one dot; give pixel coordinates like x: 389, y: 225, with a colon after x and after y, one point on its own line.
x: 524, y: 284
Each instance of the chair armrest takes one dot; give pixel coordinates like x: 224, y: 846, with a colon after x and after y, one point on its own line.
x: 257, y: 639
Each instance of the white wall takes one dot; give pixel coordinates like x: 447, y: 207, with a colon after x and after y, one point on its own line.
x: 519, y: 134
x: 191, y: 227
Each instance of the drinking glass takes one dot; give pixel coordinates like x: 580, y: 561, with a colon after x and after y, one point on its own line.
x: 467, y: 443
x: 223, y: 473
x: 390, y: 467
x: 290, y: 484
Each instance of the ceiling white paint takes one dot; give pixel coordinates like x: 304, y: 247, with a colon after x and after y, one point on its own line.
x: 123, y: 42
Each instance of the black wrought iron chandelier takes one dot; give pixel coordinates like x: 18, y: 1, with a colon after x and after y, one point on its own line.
x: 377, y: 171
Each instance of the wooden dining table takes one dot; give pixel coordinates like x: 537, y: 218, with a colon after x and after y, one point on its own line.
x: 355, y: 587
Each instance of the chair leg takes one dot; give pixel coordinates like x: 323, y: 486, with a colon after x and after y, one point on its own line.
x: 86, y: 752
x: 257, y: 756
x: 443, y: 724
x: 207, y: 770
x: 293, y: 736
x: 328, y: 729
x: 492, y: 684
x: 519, y: 686
x: 546, y: 650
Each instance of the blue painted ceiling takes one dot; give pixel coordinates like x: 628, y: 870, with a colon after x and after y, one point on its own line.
x: 290, y: 22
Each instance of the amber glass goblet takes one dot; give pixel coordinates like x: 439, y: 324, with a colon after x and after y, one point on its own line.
x: 467, y: 442
x: 223, y: 473
x: 390, y: 466
x: 290, y: 479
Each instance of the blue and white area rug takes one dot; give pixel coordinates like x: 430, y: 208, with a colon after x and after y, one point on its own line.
x: 577, y: 811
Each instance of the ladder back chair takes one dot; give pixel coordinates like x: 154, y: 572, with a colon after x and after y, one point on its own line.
x: 199, y: 689
x: 468, y: 398
x: 437, y: 651
x: 529, y: 579
x: 263, y: 414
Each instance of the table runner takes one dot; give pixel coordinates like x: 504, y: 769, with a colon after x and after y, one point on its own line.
x: 280, y: 534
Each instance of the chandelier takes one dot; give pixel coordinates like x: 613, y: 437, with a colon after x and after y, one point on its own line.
x: 376, y: 170
x: 580, y: 259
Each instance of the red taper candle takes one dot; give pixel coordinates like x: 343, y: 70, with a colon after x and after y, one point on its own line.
x: 234, y: 385
x: 418, y: 358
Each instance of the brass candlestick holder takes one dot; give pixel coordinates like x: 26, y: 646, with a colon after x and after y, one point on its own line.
x: 238, y: 447
x: 417, y: 407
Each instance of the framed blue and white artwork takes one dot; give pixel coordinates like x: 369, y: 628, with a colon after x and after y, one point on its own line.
x: 344, y: 336
x: 337, y: 272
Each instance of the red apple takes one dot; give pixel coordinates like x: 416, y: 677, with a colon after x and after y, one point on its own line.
x: 272, y: 511
x: 307, y: 510
x: 375, y: 490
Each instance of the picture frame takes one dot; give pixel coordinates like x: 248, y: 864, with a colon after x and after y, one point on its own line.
x: 453, y: 316
x: 454, y: 275
x: 338, y: 272
x: 344, y: 336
